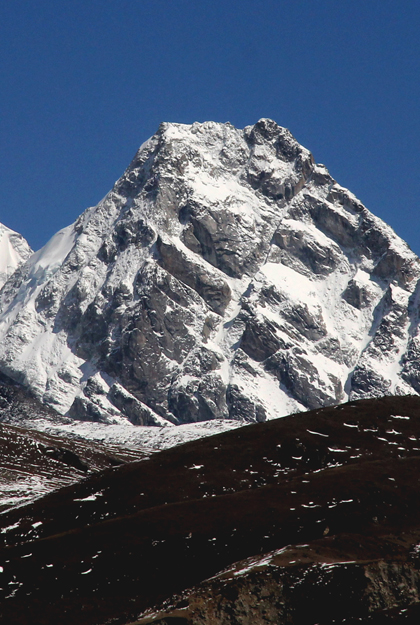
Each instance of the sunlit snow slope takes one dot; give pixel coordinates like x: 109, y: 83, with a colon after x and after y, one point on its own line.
x: 226, y: 275
x: 14, y: 250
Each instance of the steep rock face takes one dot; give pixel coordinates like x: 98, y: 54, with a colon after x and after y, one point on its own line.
x: 225, y: 275
x: 14, y: 250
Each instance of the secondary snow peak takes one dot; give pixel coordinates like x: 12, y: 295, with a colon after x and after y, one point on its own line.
x: 14, y: 250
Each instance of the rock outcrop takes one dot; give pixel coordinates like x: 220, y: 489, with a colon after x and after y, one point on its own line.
x: 379, y: 592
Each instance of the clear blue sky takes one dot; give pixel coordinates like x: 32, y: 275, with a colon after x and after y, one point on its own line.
x: 84, y: 83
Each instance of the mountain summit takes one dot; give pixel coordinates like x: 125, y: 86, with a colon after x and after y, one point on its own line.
x: 224, y: 275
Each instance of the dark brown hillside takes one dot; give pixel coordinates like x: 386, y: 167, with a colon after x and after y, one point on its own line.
x: 344, y: 481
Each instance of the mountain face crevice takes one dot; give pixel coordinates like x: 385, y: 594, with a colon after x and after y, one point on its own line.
x: 226, y: 275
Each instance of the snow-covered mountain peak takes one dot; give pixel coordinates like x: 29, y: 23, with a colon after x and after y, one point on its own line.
x: 224, y: 275
x: 14, y: 250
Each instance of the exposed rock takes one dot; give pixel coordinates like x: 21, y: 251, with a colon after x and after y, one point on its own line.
x: 365, y: 381
x: 259, y: 339
x: 299, y: 375
x: 319, y: 257
x: 411, y: 363
x: 357, y: 295
x: 194, y: 399
x: 134, y: 410
x: 336, y: 593
x: 83, y: 409
x: 241, y: 407
x: 213, y: 289
x: 336, y: 224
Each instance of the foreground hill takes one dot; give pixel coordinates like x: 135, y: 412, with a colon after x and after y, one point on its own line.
x: 225, y: 275
x: 314, y: 518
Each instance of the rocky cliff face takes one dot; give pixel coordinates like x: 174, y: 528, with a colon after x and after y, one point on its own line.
x: 225, y: 275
